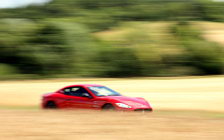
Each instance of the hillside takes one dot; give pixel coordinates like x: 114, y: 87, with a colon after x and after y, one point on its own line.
x: 213, y: 31
x: 159, y: 31
x: 84, y: 38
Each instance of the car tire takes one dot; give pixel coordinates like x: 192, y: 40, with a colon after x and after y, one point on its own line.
x: 51, y: 105
x: 108, y: 107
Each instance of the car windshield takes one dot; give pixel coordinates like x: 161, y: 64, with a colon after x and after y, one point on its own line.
x: 103, y: 91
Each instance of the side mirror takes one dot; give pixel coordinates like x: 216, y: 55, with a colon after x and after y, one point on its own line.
x: 86, y: 95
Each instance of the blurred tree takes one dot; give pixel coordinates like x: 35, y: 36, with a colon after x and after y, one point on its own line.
x: 47, y: 45
x: 118, y: 62
x: 206, y: 56
x: 56, y: 38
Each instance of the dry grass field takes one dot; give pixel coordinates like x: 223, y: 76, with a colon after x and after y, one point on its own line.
x: 188, y: 108
x: 212, y: 31
x: 88, y: 125
x: 189, y: 93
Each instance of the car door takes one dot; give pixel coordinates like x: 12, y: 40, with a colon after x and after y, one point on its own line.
x: 78, y: 97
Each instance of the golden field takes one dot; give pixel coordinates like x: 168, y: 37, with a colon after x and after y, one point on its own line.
x: 188, y: 93
x: 85, y: 125
x: 188, y: 108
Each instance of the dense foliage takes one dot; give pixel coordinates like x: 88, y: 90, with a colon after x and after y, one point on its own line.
x: 57, y: 39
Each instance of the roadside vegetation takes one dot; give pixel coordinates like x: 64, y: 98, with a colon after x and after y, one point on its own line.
x: 95, y: 38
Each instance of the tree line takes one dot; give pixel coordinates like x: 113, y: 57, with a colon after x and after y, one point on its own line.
x: 56, y: 39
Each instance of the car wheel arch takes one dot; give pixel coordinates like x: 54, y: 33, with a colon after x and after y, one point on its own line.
x: 107, y: 106
x: 51, y: 104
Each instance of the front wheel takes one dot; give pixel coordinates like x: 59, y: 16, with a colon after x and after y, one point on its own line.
x: 109, y: 107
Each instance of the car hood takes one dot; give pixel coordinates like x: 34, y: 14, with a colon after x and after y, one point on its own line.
x: 132, y: 101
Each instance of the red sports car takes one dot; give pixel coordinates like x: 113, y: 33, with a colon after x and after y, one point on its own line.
x: 86, y: 96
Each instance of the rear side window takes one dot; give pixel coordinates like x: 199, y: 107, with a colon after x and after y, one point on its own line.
x: 75, y: 91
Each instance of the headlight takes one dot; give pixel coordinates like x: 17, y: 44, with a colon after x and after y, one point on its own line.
x: 122, y: 105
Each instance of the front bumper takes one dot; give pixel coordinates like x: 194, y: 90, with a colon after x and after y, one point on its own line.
x: 144, y: 110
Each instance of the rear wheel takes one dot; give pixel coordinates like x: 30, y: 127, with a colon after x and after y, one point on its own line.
x: 109, y: 107
x: 51, y: 105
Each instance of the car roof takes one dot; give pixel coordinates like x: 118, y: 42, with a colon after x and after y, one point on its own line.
x: 84, y: 85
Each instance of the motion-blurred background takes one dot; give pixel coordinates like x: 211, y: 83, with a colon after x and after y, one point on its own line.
x: 110, y: 38
x: 131, y: 46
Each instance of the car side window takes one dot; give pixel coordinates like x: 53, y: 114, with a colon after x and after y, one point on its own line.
x: 67, y: 91
x: 75, y: 91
